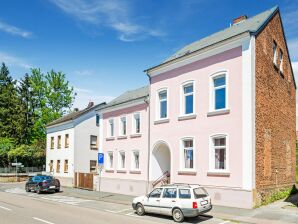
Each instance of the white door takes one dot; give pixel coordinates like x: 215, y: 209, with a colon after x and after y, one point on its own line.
x: 152, y: 203
x: 168, y: 200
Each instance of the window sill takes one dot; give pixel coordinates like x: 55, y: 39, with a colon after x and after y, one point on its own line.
x: 187, y: 117
x: 187, y: 172
x: 161, y: 121
x: 218, y: 112
x: 109, y: 171
x: 135, y: 171
x: 110, y: 138
x: 65, y: 171
x: 136, y: 135
x: 122, y: 137
x: 218, y: 174
x: 121, y: 171
x: 95, y: 148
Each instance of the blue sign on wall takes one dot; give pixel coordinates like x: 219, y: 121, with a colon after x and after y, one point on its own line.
x: 100, y: 158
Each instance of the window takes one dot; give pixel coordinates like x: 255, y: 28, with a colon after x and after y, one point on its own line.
x: 188, y: 99
x: 136, y: 160
x: 281, y: 61
x: 93, y: 142
x: 110, y: 163
x: 59, y: 142
x: 121, y: 160
x: 184, y: 193
x: 66, y: 140
x: 219, y: 153
x: 155, y: 193
x: 188, y: 154
x: 97, y: 119
x: 66, y: 166
x: 111, y: 127
x: 169, y: 193
x: 52, y: 142
x: 137, y: 123
x: 163, y: 104
x: 51, y: 165
x: 92, y: 166
x: 58, y: 166
x: 219, y: 92
x: 123, y: 126
x: 274, y: 53
x: 200, y: 193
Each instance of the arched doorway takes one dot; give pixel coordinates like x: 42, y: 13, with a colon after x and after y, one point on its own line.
x: 160, y: 164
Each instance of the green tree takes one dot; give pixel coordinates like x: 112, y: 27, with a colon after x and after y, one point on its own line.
x: 9, y: 103
x: 6, y: 144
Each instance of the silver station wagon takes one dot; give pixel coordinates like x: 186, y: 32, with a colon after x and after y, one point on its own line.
x: 176, y: 200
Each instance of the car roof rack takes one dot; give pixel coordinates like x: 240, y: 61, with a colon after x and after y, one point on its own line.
x: 177, y: 185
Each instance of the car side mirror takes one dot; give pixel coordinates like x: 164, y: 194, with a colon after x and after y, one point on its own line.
x: 147, y: 195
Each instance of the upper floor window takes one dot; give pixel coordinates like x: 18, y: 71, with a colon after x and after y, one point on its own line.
x: 121, y: 160
x: 52, y: 142
x: 188, y: 98
x: 97, y: 119
x: 188, y: 154
x: 59, y: 142
x: 280, y: 61
x: 66, y: 140
x: 219, y: 152
x: 123, y: 126
x: 163, y: 104
x: 219, y: 88
x: 274, y: 53
x: 93, y: 142
x: 110, y: 163
x: 137, y: 123
x: 111, y: 127
x: 136, y: 160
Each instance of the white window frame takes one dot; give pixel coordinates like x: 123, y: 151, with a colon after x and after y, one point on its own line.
x: 212, y: 90
x: 212, y: 154
x: 183, y: 95
x: 109, y: 127
x: 133, y: 160
x: 274, y: 52
x: 134, y: 124
x: 108, y: 166
x: 121, y: 126
x: 281, y: 57
x: 158, y: 104
x: 119, y: 160
x: 182, y: 162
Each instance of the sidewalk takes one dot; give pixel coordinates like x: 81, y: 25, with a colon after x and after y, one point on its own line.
x: 283, y: 211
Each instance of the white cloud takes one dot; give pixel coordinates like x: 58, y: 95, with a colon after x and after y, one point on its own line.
x: 14, y: 61
x: 14, y: 30
x: 84, y: 96
x: 83, y: 72
x: 115, y: 14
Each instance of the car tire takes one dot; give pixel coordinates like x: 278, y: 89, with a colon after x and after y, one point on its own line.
x: 27, y: 189
x: 57, y: 190
x: 38, y: 191
x: 178, y: 215
x: 140, y: 209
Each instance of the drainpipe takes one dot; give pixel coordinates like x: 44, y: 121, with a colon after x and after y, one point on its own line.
x: 149, y: 133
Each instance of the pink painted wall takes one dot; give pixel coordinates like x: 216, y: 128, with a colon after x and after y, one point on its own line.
x: 202, y: 127
x: 129, y: 144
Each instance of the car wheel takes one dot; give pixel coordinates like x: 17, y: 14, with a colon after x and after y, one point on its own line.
x: 38, y: 191
x: 27, y: 189
x: 57, y: 190
x: 140, y: 209
x: 178, y: 215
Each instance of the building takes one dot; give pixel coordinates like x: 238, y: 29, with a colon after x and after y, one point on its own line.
x: 125, y: 143
x: 221, y: 114
x: 73, y: 144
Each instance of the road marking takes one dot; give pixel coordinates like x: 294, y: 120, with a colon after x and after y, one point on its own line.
x: 4, y: 208
x: 224, y: 222
x: 133, y: 214
x: 41, y: 220
x: 123, y: 210
x: 111, y: 211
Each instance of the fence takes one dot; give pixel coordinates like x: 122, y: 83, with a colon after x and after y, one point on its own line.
x: 21, y: 169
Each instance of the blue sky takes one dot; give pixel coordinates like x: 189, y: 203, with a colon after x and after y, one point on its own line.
x: 103, y: 46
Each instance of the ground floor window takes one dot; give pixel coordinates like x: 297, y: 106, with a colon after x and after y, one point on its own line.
x: 188, y: 154
x: 51, y: 165
x: 110, y: 164
x: 66, y: 166
x: 121, y: 160
x: 92, y: 166
x: 136, y: 160
x: 58, y: 166
x: 219, y: 152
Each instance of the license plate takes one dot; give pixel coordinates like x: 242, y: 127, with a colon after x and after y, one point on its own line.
x: 204, y: 202
x: 51, y: 187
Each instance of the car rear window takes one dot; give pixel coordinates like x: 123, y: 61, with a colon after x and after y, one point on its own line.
x: 200, y: 193
x: 184, y: 193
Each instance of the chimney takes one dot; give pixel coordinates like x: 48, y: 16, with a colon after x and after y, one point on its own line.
x: 239, y: 19
x: 76, y: 109
x: 90, y: 104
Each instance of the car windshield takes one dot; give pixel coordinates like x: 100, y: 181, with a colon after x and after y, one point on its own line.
x: 200, y: 193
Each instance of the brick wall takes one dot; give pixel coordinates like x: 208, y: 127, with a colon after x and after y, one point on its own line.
x: 275, y: 114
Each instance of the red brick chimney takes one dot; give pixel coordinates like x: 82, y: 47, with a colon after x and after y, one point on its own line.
x: 239, y: 19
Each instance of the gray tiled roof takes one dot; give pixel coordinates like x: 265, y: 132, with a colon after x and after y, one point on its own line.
x: 130, y: 96
x: 75, y: 114
x: 252, y: 25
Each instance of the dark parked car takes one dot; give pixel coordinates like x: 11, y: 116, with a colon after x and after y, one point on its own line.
x: 42, y: 183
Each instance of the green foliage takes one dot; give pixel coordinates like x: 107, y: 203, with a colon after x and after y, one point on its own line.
x: 277, y: 196
x: 6, y: 144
